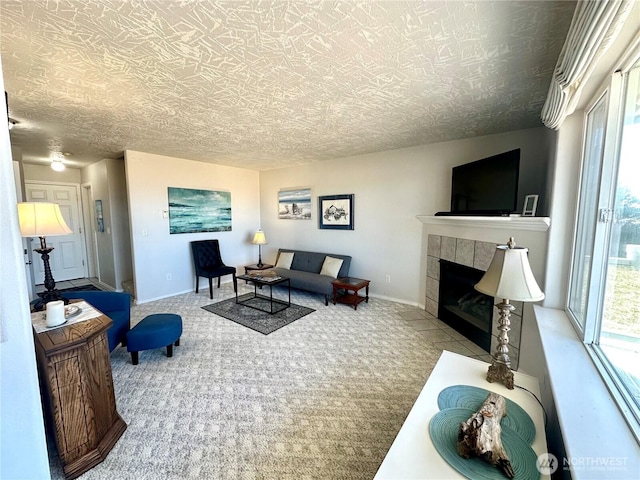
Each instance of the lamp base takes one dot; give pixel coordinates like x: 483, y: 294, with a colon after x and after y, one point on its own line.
x: 260, y: 264
x: 500, y: 369
x: 46, y: 297
x: 50, y: 294
x: 500, y: 372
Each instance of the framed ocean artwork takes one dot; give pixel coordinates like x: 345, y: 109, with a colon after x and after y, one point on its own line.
x: 294, y: 204
x: 194, y: 211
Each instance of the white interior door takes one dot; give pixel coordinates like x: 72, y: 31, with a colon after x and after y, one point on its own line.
x: 67, y: 260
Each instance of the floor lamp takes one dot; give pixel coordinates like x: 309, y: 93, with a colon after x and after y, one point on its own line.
x: 508, y: 277
x: 259, y: 239
x: 43, y: 220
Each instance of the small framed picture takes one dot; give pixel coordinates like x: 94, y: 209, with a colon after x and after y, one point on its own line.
x: 530, y: 204
x: 336, y: 212
x: 99, y: 217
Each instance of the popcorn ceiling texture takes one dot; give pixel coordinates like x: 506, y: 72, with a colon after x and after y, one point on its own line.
x: 266, y: 84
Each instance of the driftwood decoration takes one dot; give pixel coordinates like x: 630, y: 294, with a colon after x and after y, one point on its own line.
x: 481, y: 435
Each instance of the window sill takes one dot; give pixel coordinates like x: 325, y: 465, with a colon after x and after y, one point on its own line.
x: 597, y: 439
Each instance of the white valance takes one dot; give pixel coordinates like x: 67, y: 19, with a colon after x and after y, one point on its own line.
x: 595, y: 24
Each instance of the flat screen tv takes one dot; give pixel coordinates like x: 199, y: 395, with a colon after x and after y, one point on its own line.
x: 486, y: 187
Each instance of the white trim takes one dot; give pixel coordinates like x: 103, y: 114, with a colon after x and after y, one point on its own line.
x: 536, y: 224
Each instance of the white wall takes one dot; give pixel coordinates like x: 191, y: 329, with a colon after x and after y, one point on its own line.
x: 97, y: 175
x: 563, y: 210
x: 156, y: 253
x: 108, y: 183
x: 119, y: 220
x: 44, y: 173
x: 23, y: 452
x: 391, y: 189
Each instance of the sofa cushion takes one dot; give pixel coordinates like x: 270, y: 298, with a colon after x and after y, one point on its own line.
x: 331, y: 266
x: 284, y: 260
x: 311, y: 282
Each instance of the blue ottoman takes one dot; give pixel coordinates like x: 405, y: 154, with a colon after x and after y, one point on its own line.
x: 154, y: 331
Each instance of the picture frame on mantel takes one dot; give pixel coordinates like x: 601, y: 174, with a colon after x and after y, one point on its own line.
x: 530, y: 205
x: 336, y: 212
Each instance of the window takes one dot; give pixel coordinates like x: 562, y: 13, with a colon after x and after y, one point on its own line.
x: 588, y: 203
x: 604, y: 294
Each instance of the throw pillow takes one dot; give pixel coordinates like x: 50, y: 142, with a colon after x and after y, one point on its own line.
x: 331, y: 266
x: 284, y: 260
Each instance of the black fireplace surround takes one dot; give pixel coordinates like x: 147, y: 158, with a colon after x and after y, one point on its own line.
x: 461, y: 306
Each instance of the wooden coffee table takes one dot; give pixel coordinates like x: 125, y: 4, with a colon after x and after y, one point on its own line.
x: 342, y: 287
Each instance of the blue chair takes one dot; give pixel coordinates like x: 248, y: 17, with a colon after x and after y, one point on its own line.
x: 115, y: 305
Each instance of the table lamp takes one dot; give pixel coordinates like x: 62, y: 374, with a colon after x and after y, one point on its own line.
x: 259, y: 239
x: 509, y: 277
x: 39, y: 219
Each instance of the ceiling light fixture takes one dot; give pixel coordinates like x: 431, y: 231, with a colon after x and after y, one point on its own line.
x: 57, y: 165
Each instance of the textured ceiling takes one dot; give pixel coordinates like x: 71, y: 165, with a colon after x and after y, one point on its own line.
x: 266, y: 84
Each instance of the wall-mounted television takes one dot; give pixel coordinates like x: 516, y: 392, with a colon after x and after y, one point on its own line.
x: 486, y: 187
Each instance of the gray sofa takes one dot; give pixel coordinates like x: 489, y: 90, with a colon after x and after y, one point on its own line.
x: 304, y: 273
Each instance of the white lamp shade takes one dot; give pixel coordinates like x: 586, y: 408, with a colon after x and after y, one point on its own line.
x: 259, y: 238
x: 41, y: 220
x: 510, y: 277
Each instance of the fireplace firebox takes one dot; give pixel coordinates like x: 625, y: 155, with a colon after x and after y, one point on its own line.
x: 461, y: 306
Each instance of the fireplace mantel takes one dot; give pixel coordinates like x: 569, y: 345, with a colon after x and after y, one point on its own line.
x: 539, y: 224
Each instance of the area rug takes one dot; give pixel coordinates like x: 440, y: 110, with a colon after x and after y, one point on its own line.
x: 254, y: 319
x: 81, y: 288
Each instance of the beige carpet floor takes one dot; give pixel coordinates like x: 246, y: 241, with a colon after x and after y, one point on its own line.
x: 321, y: 398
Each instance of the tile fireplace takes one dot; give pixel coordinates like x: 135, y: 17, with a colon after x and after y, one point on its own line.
x: 471, y: 242
x: 462, y: 307
x: 467, y: 261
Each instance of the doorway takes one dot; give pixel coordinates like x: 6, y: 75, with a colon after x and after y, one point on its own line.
x: 89, y: 218
x: 68, y: 259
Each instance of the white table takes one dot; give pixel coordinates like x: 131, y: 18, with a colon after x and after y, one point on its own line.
x: 413, y: 455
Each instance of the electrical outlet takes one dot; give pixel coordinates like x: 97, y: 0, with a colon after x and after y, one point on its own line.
x: 168, y: 276
x: 388, y: 278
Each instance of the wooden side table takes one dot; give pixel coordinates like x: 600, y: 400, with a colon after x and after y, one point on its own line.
x: 77, y: 389
x: 248, y: 268
x: 350, y: 284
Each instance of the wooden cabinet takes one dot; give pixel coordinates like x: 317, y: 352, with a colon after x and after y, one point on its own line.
x: 77, y: 389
